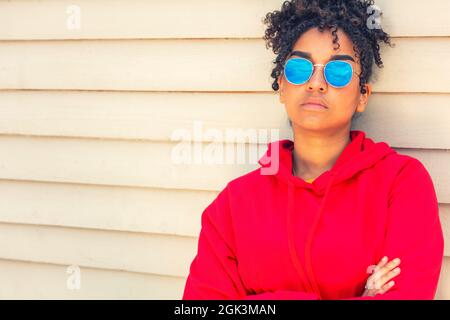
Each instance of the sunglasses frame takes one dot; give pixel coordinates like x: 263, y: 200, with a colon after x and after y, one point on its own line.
x: 318, y: 65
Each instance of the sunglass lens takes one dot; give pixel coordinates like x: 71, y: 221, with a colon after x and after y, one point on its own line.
x: 298, y: 70
x: 338, y: 73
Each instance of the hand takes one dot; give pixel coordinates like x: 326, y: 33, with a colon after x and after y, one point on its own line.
x: 378, y: 282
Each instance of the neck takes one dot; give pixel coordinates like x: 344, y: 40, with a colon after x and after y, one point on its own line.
x: 316, y: 152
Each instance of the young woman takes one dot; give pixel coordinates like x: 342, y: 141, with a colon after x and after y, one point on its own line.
x: 338, y: 206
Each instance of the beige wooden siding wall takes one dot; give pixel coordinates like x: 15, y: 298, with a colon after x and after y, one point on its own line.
x: 86, y: 117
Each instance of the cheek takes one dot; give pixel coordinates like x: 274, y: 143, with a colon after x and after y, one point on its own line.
x: 293, y: 95
x: 348, y: 96
x: 344, y: 101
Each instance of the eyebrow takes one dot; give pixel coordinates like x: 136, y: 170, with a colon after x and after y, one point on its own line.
x: 307, y: 55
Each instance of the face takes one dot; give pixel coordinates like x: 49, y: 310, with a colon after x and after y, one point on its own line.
x: 341, y: 102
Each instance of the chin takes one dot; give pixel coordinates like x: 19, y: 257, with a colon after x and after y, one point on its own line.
x: 308, y: 125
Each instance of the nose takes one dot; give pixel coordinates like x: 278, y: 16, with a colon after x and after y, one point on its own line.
x: 317, y: 81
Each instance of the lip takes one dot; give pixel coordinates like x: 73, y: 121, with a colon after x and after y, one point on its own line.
x: 314, y: 104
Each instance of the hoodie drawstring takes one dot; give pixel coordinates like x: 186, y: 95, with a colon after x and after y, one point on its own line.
x: 312, y: 286
x: 292, y: 251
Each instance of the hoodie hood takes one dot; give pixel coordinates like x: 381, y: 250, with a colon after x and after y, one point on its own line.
x: 360, y: 154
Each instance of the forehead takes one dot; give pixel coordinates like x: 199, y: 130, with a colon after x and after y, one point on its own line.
x: 321, y: 46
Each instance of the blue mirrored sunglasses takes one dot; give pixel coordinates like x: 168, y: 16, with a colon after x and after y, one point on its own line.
x: 337, y: 73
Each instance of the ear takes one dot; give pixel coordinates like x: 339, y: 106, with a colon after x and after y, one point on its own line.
x: 281, y: 88
x: 364, y: 98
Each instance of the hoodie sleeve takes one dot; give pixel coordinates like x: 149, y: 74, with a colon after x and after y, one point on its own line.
x: 413, y: 234
x: 213, y: 273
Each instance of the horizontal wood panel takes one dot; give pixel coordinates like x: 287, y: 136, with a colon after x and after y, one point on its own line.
x: 33, y: 19
x: 154, y: 164
x: 444, y: 214
x: 405, y: 120
x: 124, y: 251
x: 106, y: 162
x: 436, y: 163
x: 443, y: 290
x: 168, y: 212
x: 28, y: 280
x: 196, y: 65
x: 408, y: 120
x: 161, y: 211
x: 158, y: 211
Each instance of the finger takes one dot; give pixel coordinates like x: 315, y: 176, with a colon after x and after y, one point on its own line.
x: 390, y: 266
x: 370, y: 269
x: 380, y: 282
x: 386, y: 269
x: 380, y: 270
x: 386, y: 287
x: 376, y: 272
x: 381, y: 263
x: 385, y: 279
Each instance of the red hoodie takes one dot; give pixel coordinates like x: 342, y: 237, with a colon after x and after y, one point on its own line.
x: 276, y: 236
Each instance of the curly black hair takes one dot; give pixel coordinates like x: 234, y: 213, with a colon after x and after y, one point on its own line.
x: 285, y: 26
